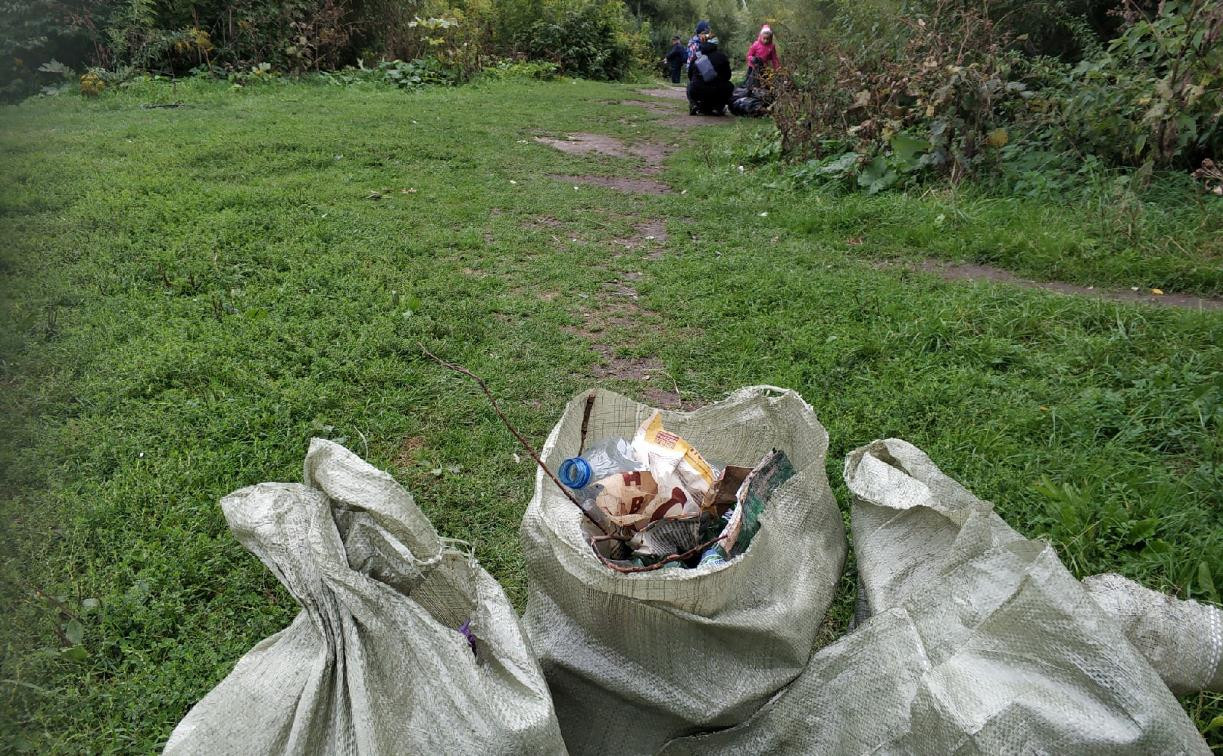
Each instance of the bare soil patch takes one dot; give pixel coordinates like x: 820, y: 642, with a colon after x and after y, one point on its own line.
x: 677, y: 114
x: 543, y: 221
x: 584, y: 144
x: 409, y: 451
x: 667, y: 93
x: 652, y: 153
x: 649, y: 233
x: 972, y: 272
x: 630, y: 185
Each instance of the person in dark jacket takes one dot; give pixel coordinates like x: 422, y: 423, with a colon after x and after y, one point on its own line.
x: 709, y: 85
x: 676, y: 57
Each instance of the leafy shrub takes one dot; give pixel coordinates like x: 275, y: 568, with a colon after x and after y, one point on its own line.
x: 410, y: 74
x: 238, y: 38
x: 35, y: 33
x: 933, y: 94
x: 1156, y: 93
x: 507, y: 68
x: 893, y: 92
x: 589, y: 38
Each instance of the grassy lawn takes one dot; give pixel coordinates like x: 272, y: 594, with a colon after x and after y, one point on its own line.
x: 191, y: 293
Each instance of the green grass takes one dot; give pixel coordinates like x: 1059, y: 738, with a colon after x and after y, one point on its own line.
x: 190, y: 294
x: 1167, y: 235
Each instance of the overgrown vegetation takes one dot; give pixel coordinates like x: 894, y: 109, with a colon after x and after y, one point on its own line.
x: 112, y: 40
x: 886, y: 94
x: 190, y: 293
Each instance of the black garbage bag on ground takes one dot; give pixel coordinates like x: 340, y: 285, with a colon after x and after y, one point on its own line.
x: 745, y: 103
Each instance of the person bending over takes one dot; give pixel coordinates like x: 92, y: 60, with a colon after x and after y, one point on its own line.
x: 763, y: 53
x: 709, y: 85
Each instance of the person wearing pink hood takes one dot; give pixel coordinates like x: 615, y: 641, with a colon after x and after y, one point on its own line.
x: 763, y: 52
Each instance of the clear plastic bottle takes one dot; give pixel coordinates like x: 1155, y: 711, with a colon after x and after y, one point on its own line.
x: 608, y: 457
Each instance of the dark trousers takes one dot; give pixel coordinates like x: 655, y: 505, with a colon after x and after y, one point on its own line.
x: 709, y: 97
x: 675, y: 72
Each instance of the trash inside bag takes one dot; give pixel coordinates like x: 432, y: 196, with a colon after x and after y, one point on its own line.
x: 634, y: 660
x: 656, y: 500
x: 979, y: 641
x: 656, y: 476
x: 403, y: 645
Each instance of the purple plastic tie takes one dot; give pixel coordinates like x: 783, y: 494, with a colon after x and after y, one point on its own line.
x: 465, y: 629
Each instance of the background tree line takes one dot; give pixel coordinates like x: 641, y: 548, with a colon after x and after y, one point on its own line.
x: 876, y: 93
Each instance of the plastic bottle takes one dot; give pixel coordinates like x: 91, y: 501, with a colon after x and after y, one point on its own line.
x: 605, y: 458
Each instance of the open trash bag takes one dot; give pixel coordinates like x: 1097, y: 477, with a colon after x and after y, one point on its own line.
x: 980, y: 641
x: 375, y: 662
x: 634, y: 660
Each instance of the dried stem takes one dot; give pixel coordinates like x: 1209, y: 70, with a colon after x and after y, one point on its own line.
x: 525, y: 445
x: 590, y: 403
x: 657, y: 565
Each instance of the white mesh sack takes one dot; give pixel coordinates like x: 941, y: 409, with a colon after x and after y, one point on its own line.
x: 1183, y: 640
x: 636, y: 659
x: 980, y: 642
x: 374, y: 663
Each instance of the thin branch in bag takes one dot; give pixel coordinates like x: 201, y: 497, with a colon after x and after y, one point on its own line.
x: 657, y: 565
x: 590, y: 403
x: 506, y: 422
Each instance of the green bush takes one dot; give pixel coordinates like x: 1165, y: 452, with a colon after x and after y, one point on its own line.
x: 538, y: 70
x: 587, y: 38
x: 595, y: 38
x: 890, y: 92
x: 1156, y: 94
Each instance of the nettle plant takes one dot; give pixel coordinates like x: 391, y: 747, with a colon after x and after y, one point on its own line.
x: 936, y: 101
x: 1156, y: 94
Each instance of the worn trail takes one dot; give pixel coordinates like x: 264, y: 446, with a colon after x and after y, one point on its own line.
x: 616, y: 311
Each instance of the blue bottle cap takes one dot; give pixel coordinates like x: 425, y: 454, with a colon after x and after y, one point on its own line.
x: 575, y: 472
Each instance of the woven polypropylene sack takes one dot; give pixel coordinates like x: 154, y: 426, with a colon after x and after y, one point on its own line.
x: 374, y: 663
x: 635, y: 659
x: 1183, y: 640
x: 980, y: 642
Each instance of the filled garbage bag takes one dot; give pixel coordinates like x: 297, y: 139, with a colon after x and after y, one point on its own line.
x: 376, y: 662
x: 980, y: 641
x: 634, y: 660
x: 744, y: 101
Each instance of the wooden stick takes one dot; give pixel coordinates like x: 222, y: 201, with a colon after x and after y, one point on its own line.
x: 590, y: 403
x: 657, y: 565
x: 525, y: 445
